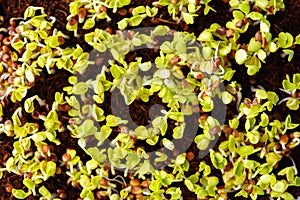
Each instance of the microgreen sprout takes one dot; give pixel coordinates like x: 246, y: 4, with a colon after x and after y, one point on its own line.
x: 291, y: 88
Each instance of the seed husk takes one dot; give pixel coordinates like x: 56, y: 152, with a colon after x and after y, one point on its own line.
x: 82, y: 13
x: 217, y: 62
x: 136, y: 190
x: 66, y: 157
x: 102, y: 9
x: 9, y: 188
x: 258, y: 36
x: 229, y: 33
x: 239, y: 24
x: 5, y: 49
x: 227, y: 130
x: 145, y: 183
x: 122, y: 11
x: 190, y: 156
x: 130, y: 10
x: 284, y: 139
x: 175, y: 60
x: 214, y: 130
x: 221, y: 31
x: 134, y: 182
x: 235, y: 133
x: 45, y: 148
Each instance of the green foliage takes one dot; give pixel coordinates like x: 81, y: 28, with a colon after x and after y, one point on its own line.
x: 252, y: 132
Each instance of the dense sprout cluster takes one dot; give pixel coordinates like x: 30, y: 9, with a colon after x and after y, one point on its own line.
x: 190, y: 74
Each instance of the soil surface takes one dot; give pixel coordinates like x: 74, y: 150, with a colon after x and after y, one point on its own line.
x: 270, y: 77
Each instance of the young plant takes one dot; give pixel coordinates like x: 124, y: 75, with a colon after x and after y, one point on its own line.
x: 291, y: 88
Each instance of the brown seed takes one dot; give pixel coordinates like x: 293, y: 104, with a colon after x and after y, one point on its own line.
x: 221, y: 31
x: 109, y: 30
x: 102, y: 9
x: 239, y: 24
x: 264, y: 42
x: 21, y: 51
x: 124, y: 129
x: 1, y: 37
x: 249, y: 189
x: 10, y: 70
x: 63, y: 194
x: 61, y: 40
x: 10, y: 80
x: 245, y: 47
x: 227, y: 130
x: 185, y: 26
x: 82, y: 13
x: 28, y: 174
x: 122, y: 11
x: 258, y: 36
x: 104, y: 182
x: 100, y: 195
x: 9, y: 188
x: 235, y: 133
x: 139, y: 196
x: 136, y: 190
x: 72, y: 21
x: 214, y: 130
x: 145, y: 183
x: 256, y: 9
x: 58, y: 170
x: 199, y: 75
x: 5, y: 49
x: 45, y: 148
x: 5, y: 57
x: 255, y: 102
x: 72, y: 121
x: 64, y: 107
x: 277, y: 146
x: 68, y: 166
x: 74, y: 184
x: 270, y: 10
x: 247, y: 102
x: 6, y: 41
x: 217, y: 62
x: 134, y: 182
x: 175, y: 60
x: 284, y: 139
x: 203, y: 117
x: 130, y: 10
x: 130, y: 34
x: 229, y: 33
x: 66, y: 157
x: 174, y: 1
x: 190, y: 156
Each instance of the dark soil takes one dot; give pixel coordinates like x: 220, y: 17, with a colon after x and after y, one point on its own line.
x: 270, y: 77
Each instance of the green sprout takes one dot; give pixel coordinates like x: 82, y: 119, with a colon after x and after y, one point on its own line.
x: 291, y: 88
